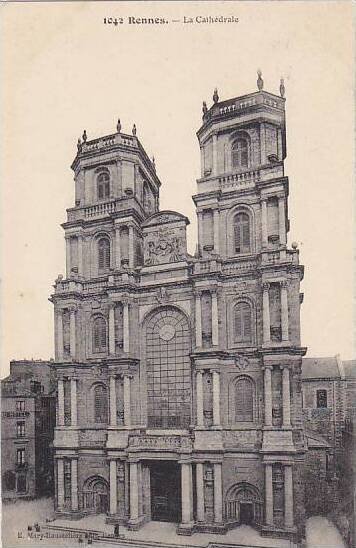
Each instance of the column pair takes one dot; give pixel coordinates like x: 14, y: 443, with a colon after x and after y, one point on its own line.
x: 72, y: 332
x: 127, y: 400
x: 285, y: 395
x: 126, y: 327
x: 288, y: 495
x: 118, y: 250
x: 266, y: 311
x: 281, y: 221
x: 214, y: 319
x: 216, y: 397
x: 73, y: 402
x: 217, y: 492
x: 74, y: 483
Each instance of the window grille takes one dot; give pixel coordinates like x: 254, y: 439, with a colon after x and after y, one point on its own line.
x: 242, y: 235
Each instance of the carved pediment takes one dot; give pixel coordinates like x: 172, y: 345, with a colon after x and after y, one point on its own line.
x: 164, y: 217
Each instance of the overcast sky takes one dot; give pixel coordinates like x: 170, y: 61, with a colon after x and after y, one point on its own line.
x: 65, y: 70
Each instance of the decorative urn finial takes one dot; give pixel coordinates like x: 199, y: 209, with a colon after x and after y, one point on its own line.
x: 85, y: 136
x: 205, y: 108
x: 282, y: 89
x: 118, y: 126
x: 259, y: 80
x: 134, y: 130
x: 215, y: 96
x: 79, y: 145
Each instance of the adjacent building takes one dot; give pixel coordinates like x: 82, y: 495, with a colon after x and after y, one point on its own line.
x: 27, y: 428
x: 179, y: 376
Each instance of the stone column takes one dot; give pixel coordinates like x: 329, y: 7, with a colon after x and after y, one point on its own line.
x: 282, y: 220
x: 60, y: 484
x: 263, y: 143
x: 284, y: 310
x: 268, y: 494
x: 72, y: 340
x: 279, y: 144
x: 113, y: 405
x: 286, y: 396
x: 214, y: 318
x: 80, y: 255
x: 112, y: 329
x: 133, y: 491
x: 217, y: 493
x: 200, y: 228
x: 199, y: 396
x: 288, y: 496
x: 215, y: 154
x: 117, y: 248
x: 73, y: 402
x: 68, y: 261
x: 266, y: 316
x: 216, y: 397
x: 131, y: 247
x: 200, y: 491
x: 264, y: 223
x: 60, y: 349
x: 198, y: 332
x: 74, y: 484
x: 113, y: 487
x: 126, y: 322
x: 268, y: 395
x: 127, y: 400
x: 186, y: 478
x: 216, y: 214
x: 60, y: 418
x: 202, y: 167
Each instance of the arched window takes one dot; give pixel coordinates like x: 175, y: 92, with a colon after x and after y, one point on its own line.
x: 244, y: 400
x: 100, y: 404
x: 99, y: 335
x: 239, y: 152
x: 243, y: 323
x: 103, y: 185
x: 242, y: 233
x: 103, y: 254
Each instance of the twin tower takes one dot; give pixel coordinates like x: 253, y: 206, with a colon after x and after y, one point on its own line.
x: 179, y: 376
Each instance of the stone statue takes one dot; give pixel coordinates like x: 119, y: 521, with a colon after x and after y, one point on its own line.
x: 259, y: 81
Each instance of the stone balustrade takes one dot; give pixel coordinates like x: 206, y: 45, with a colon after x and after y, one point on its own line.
x: 237, y: 105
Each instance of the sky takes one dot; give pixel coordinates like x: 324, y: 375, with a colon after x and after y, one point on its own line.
x: 64, y: 70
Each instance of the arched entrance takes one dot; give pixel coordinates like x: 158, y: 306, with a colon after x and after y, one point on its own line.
x: 243, y: 505
x: 95, y: 495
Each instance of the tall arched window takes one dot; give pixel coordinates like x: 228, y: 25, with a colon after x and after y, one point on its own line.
x: 103, y: 254
x: 243, y: 323
x: 242, y: 233
x: 99, y: 335
x: 239, y: 151
x: 244, y: 400
x: 100, y: 404
x: 103, y: 185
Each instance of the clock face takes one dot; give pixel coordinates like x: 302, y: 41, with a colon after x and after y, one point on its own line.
x: 167, y: 332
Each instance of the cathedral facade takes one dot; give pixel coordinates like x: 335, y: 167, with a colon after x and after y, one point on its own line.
x: 179, y: 376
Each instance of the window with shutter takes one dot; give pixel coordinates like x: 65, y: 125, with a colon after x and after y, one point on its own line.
x: 99, y: 335
x: 100, y: 404
x: 240, y: 153
x: 242, y: 234
x: 103, y: 254
x: 103, y: 185
x: 243, y: 323
x: 244, y: 400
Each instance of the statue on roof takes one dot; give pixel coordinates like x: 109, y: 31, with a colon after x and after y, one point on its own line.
x: 259, y: 80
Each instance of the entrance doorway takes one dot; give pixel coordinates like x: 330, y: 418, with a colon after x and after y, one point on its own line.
x: 246, y: 513
x: 165, y: 491
x: 95, y: 495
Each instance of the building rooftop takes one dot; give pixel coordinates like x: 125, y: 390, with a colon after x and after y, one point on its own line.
x: 319, y: 368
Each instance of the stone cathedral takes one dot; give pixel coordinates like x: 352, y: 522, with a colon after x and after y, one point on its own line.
x: 179, y: 376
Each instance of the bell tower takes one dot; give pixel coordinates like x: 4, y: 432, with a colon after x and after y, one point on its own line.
x: 242, y: 144
x: 116, y: 187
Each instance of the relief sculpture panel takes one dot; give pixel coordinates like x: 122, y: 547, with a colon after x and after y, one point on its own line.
x: 166, y: 246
